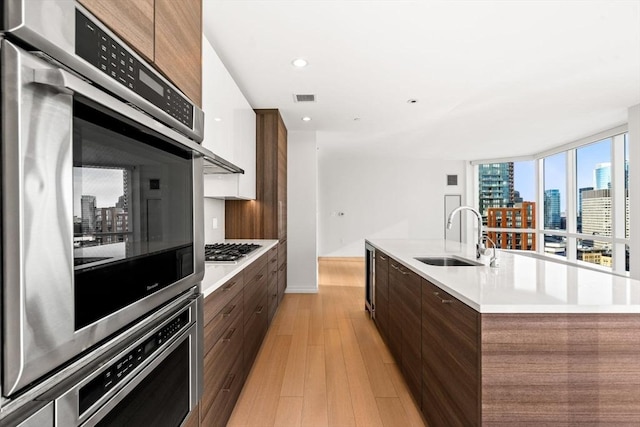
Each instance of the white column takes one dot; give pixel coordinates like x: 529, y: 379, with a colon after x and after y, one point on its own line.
x: 302, y: 196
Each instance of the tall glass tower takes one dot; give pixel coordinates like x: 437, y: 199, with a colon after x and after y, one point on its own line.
x: 602, y: 176
x: 495, y: 186
x: 552, y: 218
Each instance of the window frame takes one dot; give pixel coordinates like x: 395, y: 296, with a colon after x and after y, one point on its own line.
x: 618, y: 240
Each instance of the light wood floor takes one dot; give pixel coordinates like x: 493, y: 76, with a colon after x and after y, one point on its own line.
x: 323, y: 363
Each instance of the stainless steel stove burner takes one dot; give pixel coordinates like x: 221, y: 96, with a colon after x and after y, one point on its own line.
x: 227, y: 252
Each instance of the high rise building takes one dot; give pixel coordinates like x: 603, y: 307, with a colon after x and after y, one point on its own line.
x: 88, y: 214
x: 596, y: 215
x: 523, y: 215
x: 579, y: 221
x: 602, y: 176
x: 495, y: 186
x: 552, y: 219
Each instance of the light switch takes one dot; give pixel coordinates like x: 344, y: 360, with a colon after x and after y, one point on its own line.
x: 214, y: 223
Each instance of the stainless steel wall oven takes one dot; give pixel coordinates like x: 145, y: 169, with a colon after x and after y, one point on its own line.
x: 101, y: 192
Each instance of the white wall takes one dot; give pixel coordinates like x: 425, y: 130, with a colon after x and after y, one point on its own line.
x: 302, y: 181
x: 213, y: 208
x: 381, y: 198
x: 634, y: 190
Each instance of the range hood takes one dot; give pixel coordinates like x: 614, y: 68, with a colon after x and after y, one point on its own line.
x: 214, y: 164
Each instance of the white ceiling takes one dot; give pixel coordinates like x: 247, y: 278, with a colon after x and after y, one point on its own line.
x: 492, y: 78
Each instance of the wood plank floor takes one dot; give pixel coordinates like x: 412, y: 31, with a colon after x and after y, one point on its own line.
x: 323, y: 363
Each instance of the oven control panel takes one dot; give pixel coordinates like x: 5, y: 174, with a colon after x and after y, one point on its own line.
x: 114, y: 60
x: 118, y: 370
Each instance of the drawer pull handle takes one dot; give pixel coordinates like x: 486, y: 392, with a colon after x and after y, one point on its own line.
x: 442, y: 300
x: 274, y: 260
x: 282, y: 267
x: 274, y: 295
x: 228, y: 312
x: 229, y: 335
x: 403, y: 272
x: 382, y: 258
x: 229, y: 286
x: 259, y: 309
x: 259, y: 277
x: 395, y: 267
x: 227, y: 386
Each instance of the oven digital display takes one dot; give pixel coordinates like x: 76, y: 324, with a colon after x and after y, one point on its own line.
x: 151, y: 83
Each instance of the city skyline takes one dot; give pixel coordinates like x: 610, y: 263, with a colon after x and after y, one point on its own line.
x: 588, y: 158
x: 102, y: 183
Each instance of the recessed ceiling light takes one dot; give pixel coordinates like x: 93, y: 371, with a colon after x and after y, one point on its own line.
x: 217, y: 119
x: 412, y: 101
x: 299, y: 62
x: 306, y: 119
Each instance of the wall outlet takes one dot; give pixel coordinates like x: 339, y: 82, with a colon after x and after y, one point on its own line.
x: 214, y: 223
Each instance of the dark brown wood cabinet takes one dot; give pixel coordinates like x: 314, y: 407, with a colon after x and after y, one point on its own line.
x: 167, y: 33
x: 235, y: 324
x: 396, y: 313
x: 178, y: 44
x: 410, y: 289
x: 223, y: 346
x: 272, y: 282
x: 266, y: 217
x: 403, y: 329
x: 256, y: 310
x: 450, y: 361
x: 509, y: 368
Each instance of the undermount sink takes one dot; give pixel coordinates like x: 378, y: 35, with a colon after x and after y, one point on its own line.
x: 448, y: 261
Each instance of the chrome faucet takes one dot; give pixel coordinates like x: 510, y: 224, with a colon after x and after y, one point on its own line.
x: 480, y: 245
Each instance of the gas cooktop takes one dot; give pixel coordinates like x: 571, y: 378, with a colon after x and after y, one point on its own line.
x: 227, y: 252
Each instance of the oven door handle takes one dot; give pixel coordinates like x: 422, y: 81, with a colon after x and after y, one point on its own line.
x: 66, y: 82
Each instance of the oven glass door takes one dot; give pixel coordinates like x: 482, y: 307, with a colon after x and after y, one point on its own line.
x: 132, y: 213
x: 101, y: 216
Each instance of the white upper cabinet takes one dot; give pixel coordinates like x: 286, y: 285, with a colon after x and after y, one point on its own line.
x: 229, y: 129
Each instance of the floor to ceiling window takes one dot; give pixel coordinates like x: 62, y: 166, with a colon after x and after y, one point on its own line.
x: 507, y: 203
x: 555, y: 203
x: 579, y: 210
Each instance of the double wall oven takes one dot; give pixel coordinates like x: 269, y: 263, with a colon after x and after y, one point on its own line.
x: 102, y: 239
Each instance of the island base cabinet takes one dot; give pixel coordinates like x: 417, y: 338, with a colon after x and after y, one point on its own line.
x: 382, y: 294
x: 450, y: 359
x: 561, y: 369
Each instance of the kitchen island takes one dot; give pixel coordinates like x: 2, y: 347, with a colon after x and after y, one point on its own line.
x: 530, y: 342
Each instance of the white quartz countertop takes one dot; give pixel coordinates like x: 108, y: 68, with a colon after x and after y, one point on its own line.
x: 521, y: 284
x: 216, y: 274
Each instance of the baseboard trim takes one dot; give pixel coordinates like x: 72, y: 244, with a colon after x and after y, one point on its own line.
x: 338, y: 258
x: 291, y: 290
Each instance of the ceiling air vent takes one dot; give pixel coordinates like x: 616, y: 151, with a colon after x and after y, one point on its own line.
x: 304, y: 97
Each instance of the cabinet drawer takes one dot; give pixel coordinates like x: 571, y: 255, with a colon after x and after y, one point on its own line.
x: 273, y: 253
x: 254, y: 331
x: 255, y: 268
x: 282, y: 281
x: 219, y: 361
x: 254, y: 292
x: 282, y: 253
x: 382, y: 314
x: 221, y: 322
x: 222, y: 296
x: 272, y: 265
x: 224, y: 402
